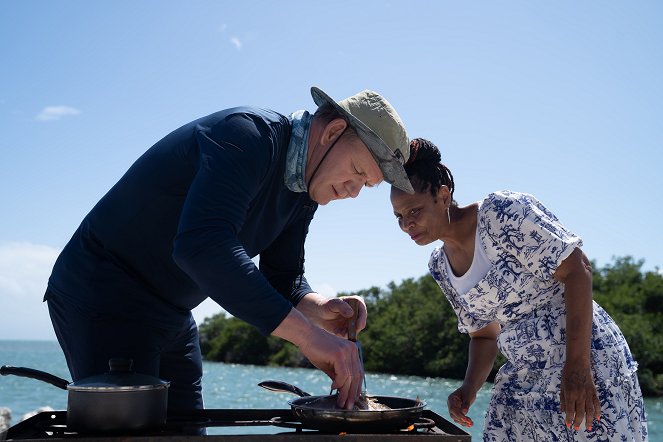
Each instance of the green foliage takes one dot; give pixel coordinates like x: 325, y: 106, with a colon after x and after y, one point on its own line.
x: 235, y: 341
x: 412, y: 329
x: 635, y: 301
x: 230, y: 340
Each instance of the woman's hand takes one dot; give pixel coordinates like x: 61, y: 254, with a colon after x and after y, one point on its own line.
x: 332, y: 314
x: 482, y: 352
x: 459, y: 403
x: 578, y: 397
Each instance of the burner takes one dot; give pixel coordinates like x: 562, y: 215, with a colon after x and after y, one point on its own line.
x: 53, y: 425
x: 422, y: 424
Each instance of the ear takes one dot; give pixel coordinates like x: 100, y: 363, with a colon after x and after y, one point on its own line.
x: 444, y: 195
x: 333, y: 130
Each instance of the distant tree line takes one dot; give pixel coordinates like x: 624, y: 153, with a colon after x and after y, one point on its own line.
x: 413, y: 330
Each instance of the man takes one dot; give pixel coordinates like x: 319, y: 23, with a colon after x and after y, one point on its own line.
x: 184, y: 222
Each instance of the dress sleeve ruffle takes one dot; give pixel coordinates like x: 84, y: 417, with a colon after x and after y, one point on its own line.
x: 522, y: 226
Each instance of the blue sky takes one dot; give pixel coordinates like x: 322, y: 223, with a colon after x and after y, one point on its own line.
x: 559, y: 99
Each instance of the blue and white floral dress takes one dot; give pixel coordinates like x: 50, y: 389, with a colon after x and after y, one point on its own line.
x: 525, y: 243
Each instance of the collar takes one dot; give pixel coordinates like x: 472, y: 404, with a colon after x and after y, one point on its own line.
x: 295, y: 163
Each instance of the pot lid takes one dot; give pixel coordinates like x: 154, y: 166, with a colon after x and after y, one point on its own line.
x: 119, y: 377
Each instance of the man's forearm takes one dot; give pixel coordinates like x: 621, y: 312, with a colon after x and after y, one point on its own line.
x: 294, y: 328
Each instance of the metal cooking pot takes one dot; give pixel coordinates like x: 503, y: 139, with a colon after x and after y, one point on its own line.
x: 320, y: 412
x: 117, y: 400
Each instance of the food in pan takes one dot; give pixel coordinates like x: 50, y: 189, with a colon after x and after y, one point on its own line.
x: 370, y: 403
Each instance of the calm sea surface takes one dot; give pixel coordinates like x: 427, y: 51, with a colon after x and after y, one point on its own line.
x: 234, y: 386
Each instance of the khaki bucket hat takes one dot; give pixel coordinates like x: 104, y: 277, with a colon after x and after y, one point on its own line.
x: 380, y: 128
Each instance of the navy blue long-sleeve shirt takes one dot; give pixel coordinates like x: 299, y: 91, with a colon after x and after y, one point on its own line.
x: 184, y: 222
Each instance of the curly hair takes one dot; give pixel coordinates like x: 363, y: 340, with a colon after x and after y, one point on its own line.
x: 425, y: 170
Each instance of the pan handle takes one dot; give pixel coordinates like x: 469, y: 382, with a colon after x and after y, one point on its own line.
x: 283, y: 387
x: 34, y: 374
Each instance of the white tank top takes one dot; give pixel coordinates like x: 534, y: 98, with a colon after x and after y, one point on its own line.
x: 478, y: 269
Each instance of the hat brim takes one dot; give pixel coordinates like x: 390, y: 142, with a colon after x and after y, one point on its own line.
x: 390, y: 164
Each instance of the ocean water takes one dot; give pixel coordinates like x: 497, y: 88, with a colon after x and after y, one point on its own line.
x: 235, y: 386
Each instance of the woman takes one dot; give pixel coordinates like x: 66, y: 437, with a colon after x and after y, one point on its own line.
x: 518, y: 281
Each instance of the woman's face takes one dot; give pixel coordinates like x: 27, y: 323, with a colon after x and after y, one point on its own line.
x: 420, y: 215
x: 346, y: 170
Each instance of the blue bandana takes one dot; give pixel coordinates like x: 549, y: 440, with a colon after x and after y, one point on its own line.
x: 295, y: 162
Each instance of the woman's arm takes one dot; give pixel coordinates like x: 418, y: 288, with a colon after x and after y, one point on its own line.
x: 482, y: 353
x: 578, y: 395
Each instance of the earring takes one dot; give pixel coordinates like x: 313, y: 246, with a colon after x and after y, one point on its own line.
x: 448, y: 215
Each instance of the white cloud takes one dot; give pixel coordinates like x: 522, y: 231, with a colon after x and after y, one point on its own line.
x: 235, y: 41
x: 24, y: 268
x: 50, y: 113
x: 24, y: 272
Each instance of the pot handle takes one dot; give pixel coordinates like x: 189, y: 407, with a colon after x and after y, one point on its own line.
x: 34, y: 374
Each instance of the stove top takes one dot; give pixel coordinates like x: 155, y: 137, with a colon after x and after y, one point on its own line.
x: 240, y: 425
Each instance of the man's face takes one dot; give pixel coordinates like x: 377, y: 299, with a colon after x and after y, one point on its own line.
x: 346, y: 170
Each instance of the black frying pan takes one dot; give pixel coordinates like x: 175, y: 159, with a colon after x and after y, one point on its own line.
x: 321, y: 413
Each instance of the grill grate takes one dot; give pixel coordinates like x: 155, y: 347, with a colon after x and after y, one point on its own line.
x: 52, y: 425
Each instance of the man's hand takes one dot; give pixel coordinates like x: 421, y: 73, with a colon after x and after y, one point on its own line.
x: 332, y: 314
x: 335, y: 356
